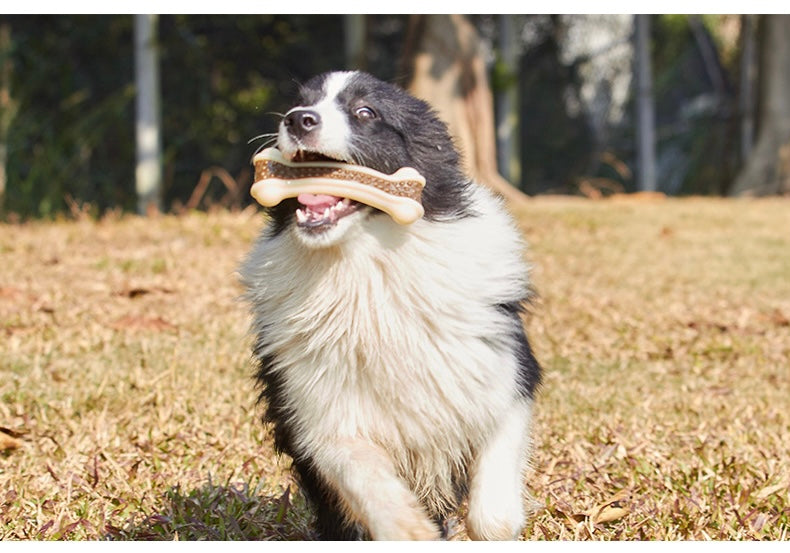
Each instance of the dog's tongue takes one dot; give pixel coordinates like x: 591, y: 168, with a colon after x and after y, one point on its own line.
x: 317, y: 201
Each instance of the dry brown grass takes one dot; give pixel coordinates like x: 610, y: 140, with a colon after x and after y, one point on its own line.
x: 127, y: 409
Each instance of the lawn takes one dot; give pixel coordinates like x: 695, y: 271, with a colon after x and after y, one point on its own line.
x: 127, y: 408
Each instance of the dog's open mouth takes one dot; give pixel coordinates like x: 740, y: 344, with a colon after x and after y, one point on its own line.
x: 319, y: 212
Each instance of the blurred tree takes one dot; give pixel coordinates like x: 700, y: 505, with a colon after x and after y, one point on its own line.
x: 7, y: 105
x: 148, y: 173
x: 695, y: 106
x: 505, y: 83
x: 69, y: 81
x: 355, y: 35
x: 223, y: 78
x: 72, y: 134
x: 443, y: 56
x: 645, y: 109
x: 767, y: 170
x: 747, y: 77
x: 556, y: 140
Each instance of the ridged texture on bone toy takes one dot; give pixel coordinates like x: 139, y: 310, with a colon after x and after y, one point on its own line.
x: 265, y: 169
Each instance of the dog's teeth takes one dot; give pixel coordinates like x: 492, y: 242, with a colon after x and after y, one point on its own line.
x: 301, y: 216
x: 326, y: 213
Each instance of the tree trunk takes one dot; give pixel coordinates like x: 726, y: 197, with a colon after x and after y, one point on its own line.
x: 7, y: 105
x: 444, y: 61
x: 355, y: 35
x: 645, y: 120
x: 748, y: 72
x: 507, y: 102
x: 767, y: 171
x: 148, y: 174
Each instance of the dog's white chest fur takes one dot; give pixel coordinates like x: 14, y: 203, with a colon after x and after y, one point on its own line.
x: 391, y: 337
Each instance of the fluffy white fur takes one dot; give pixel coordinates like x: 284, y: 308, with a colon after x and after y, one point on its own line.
x: 399, y: 372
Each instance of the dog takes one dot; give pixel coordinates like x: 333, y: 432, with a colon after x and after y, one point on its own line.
x: 392, y: 358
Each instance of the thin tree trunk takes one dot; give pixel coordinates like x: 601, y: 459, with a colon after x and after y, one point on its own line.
x: 148, y: 174
x: 7, y: 106
x: 767, y: 170
x: 748, y: 71
x: 645, y: 120
x: 507, y: 104
x: 355, y: 34
x: 443, y: 57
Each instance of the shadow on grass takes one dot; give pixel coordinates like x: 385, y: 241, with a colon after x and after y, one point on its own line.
x: 215, y: 512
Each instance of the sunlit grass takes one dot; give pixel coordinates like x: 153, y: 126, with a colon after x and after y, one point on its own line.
x: 127, y: 409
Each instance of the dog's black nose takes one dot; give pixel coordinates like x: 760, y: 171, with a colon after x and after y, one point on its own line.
x: 299, y: 122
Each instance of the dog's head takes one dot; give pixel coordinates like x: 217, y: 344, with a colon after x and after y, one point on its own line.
x: 355, y: 118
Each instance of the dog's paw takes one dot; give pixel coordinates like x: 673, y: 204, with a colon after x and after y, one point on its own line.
x: 408, y: 526
x: 496, y: 523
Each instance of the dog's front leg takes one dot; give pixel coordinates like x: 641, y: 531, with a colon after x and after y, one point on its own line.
x: 496, y: 503
x: 371, y: 492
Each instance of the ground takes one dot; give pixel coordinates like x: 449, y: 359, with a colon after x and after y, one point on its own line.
x: 127, y: 408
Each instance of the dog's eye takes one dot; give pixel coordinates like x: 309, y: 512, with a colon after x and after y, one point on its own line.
x: 364, y: 112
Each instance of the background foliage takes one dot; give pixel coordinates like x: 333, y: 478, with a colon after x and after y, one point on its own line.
x: 221, y: 79
x: 224, y: 78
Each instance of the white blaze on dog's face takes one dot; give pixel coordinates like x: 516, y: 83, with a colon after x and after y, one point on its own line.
x: 321, y: 127
x: 320, y: 130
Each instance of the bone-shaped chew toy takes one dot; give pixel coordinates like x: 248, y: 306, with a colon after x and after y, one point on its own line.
x: 398, y: 194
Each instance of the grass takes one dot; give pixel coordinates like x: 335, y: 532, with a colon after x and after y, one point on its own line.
x: 127, y: 410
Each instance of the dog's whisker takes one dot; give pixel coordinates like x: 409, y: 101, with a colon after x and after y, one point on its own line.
x: 264, y: 135
x: 355, y: 154
x: 261, y: 148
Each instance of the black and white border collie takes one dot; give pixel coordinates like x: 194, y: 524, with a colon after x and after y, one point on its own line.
x: 393, y: 361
